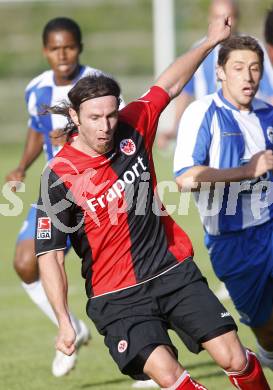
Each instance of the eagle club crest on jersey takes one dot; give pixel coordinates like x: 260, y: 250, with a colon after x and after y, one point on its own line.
x: 269, y: 132
x: 122, y: 346
x: 127, y: 146
x: 44, y: 228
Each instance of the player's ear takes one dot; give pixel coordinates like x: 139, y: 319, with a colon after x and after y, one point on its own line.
x: 45, y: 52
x: 220, y: 72
x: 74, y: 116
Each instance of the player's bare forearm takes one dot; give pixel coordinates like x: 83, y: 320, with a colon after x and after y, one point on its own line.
x: 53, y: 276
x: 176, y: 75
x: 33, y: 148
x: 195, y: 176
x: 259, y: 164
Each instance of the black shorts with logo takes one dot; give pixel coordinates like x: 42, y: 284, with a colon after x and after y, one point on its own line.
x: 136, y: 320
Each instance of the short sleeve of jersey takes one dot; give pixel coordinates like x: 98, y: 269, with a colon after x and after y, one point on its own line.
x: 33, y: 116
x: 194, y: 138
x: 266, y: 84
x: 53, y: 214
x: 143, y: 114
x: 189, y: 87
x: 265, y: 90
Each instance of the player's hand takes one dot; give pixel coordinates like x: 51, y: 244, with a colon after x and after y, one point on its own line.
x: 66, y: 338
x: 17, y: 175
x: 259, y: 164
x: 219, y: 29
x: 57, y: 137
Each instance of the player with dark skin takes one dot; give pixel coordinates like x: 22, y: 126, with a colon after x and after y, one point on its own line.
x: 62, y: 52
x: 62, y: 47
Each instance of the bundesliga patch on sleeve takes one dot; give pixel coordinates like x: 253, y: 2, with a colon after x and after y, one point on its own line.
x: 44, y: 228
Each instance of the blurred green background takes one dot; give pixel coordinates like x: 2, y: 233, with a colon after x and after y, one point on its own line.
x: 118, y: 38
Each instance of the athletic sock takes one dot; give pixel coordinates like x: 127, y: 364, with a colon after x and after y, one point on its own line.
x: 37, y: 294
x: 252, y: 377
x: 185, y: 382
x: 265, y: 357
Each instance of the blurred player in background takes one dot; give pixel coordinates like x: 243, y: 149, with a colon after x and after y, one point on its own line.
x: 62, y: 46
x: 224, y: 155
x: 204, y: 81
x: 140, y: 277
x: 268, y: 33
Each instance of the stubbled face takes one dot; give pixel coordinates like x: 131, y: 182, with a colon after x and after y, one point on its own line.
x: 240, y: 78
x: 97, y: 122
x: 62, y: 52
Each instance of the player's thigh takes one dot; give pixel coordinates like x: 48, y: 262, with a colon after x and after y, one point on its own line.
x: 244, y: 263
x: 27, y: 231
x: 264, y: 333
x: 227, y: 351
x: 199, y: 316
x: 162, y: 365
x: 25, y: 262
x: 131, y: 341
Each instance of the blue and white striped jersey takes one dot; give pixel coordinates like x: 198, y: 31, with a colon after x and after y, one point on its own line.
x: 204, y: 80
x: 212, y: 132
x: 41, y: 91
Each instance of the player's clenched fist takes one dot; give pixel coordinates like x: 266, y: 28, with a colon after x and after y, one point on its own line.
x: 66, y: 340
x: 219, y: 29
x: 17, y: 175
x: 259, y: 164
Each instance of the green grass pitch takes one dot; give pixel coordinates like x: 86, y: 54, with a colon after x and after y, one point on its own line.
x: 27, y: 336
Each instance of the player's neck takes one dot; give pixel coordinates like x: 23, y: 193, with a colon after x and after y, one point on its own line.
x: 62, y: 81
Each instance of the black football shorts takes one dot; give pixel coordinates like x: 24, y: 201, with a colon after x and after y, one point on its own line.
x: 136, y: 320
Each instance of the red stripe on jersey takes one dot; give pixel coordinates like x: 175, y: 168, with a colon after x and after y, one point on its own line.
x: 156, y: 99
x: 179, y: 242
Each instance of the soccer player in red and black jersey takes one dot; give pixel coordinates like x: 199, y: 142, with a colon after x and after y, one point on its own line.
x: 137, y: 263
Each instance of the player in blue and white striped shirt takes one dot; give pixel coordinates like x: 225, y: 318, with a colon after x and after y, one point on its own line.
x: 226, y: 140
x: 204, y: 80
x: 62, y: 45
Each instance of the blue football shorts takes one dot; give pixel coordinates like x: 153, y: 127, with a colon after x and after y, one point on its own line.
x: 27, y: 231
x: 244, y: 262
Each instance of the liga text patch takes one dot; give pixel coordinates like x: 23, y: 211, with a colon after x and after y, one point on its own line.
x: 44, y: 228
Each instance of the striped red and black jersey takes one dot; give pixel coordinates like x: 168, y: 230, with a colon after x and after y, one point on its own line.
x: 108, y: 205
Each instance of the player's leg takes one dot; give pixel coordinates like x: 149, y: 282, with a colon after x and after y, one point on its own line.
x: 26, y: 266
x: 264, y: 336
x: 202, y: 322
x: 163, y: 366
x: 241, y: 365
x: 139, y: 342
x: 248, y: 278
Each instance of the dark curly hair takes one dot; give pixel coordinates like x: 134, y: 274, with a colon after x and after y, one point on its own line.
x: 239, y: 42
x: 89, y: 87
x: 62, y: 24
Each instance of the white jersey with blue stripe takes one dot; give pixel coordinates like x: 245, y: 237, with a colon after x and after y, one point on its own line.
x: 212, y: 132
x: 204, y: 80
x: 41, y: 91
